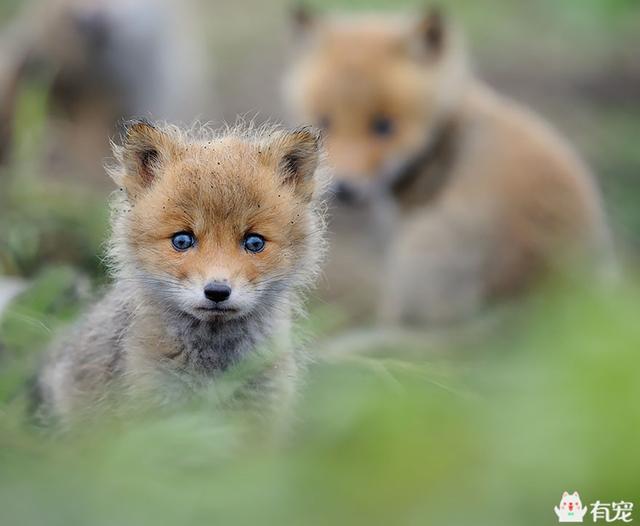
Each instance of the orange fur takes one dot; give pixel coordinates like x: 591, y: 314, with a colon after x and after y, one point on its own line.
x: 157, y: 331
x: 495, y: 196
x: 219, y: 189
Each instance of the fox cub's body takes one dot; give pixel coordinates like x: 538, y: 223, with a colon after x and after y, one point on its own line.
x: 213, y: 239
x: 453, y: 195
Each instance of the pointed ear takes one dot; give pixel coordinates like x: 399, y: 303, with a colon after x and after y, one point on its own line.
x: 303, y: 19
x: 295, y: 156
x: 565, y: 494
x: 433, y: 31
x: 145, y: 148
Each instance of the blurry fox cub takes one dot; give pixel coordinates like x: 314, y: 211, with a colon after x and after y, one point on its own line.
x: 471, y: 196
x: 214, y: 238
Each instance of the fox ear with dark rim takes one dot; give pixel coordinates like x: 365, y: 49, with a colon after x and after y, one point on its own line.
x: 296, y: 156
x: 303, y: 18
x: 143, y: 150
x: 433, y: 30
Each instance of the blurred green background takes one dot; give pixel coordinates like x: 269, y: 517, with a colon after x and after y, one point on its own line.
x: 489, y: 433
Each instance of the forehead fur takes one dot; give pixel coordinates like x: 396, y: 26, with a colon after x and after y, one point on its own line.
x: 353, y: 38
x: 369, y: 57
x: 373, y: 32
x: 217, y: 174
x: 202, y: 178
x: 241, y: 163
x: 223, y: 185
x: 366, y: 42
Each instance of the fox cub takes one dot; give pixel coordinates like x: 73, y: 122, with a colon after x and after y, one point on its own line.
x: 449, y: 196
x: 214, y: 237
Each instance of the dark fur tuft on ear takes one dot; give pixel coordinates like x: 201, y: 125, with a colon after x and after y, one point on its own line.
x: 302, y: 17
x: 141, y: 149
x: 295, y: 155
x: 144, y: 148
x: 302, y: 159
x: 433, y: 29
x: 141, y: 144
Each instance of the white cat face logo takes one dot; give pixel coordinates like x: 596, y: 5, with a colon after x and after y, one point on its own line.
x: 571, y: 508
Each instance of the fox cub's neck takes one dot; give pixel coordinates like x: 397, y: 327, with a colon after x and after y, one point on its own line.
x: 184, y: 344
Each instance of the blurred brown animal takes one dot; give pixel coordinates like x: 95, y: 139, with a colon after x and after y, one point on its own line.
x: 98, y: 63
x: 449, y: 195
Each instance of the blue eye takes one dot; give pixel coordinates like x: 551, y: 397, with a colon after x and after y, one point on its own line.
x: 381, y: 125
x: 254, y: 243
x: 183, y: 241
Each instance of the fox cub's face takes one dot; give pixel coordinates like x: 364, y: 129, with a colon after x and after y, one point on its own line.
x: 377, y: 86
x: 216, y: 228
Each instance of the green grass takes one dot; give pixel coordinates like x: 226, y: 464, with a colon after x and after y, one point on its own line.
x: 488, y: 436
x: 54, y: 298
x: 49, y: 222
x: 44, y: 220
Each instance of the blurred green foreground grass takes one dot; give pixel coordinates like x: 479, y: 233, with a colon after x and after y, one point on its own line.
x: 491, y: 436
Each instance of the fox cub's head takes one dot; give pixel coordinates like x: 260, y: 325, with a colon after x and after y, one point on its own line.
x: 218, y: 226
x: 379, y: 86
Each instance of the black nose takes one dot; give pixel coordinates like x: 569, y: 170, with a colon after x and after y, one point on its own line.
x: 217, y: 292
